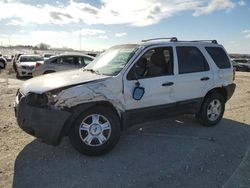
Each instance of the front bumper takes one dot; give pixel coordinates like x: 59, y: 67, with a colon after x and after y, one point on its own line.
x: 24, y: 72
x: 44, y: 123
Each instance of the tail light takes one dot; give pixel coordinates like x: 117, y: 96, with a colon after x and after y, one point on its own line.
x: 233, y: 74
x: 38, y: 64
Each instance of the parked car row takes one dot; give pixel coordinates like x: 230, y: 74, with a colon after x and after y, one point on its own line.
x: 241, y: 64
x: 35, y: 65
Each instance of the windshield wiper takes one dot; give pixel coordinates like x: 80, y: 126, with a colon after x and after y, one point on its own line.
x: 92, y: 70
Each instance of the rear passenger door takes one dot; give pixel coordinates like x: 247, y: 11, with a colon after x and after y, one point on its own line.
x: 66, y: 63
x: 194, y: 77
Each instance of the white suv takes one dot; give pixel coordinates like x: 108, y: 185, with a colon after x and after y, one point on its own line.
x: 125, y: 85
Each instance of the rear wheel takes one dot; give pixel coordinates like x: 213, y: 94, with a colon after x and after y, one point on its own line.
x: 96, y: 131
x: 2, y: 65
x: 212, y: 110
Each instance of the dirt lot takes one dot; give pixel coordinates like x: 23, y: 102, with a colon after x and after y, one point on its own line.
x: 177, y: 152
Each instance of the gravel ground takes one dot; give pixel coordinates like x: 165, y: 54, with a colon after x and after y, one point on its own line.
x: 176, y: 152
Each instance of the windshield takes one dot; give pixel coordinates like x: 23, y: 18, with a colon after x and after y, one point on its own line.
x: 30, y: 58
x: 113, y: 60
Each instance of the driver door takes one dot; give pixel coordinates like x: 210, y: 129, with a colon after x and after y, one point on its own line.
x: 154, y: 72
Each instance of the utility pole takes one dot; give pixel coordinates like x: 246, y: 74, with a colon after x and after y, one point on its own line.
x: 9, y: 41
x: 80, y: 39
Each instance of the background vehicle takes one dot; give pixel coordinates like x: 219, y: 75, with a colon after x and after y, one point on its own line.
x: 62, y: 62
x: 8, y: 57
x: 14, y: 60
x: 2, y: 62
x: 242, y: 64
x: 26, y: 64
x: 47, y: 56
x: 127, y: 84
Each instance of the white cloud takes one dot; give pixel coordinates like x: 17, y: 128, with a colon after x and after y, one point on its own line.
x: 246, y: 33
x: 120, y: 34
x: 92, y: 32
x: 56, y: 38
x: 103, y: 37
x: 214, y: 5
x: 135, y: 13
x: 242, y: 3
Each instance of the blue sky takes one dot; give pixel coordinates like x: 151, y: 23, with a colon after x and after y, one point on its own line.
x: 104, y: 23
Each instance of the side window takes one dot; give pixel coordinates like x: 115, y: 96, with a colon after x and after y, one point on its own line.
x: 219, y: 57
x: 53, y: 61
x: 190, y: 59
x: 155, y: 62
x: 87, y: 60
x: 79, y: 60
x: 66, y: 60
x: 83, y: 61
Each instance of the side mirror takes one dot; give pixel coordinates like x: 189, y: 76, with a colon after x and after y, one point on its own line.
x: 138, y: 93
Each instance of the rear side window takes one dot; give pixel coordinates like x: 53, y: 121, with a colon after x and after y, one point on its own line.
x: 219, y: 57
x: 190, y: 59
x: 66, y: 60
x: 54, y: 61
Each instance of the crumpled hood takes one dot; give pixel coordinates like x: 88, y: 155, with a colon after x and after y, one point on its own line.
x: 53, y: 81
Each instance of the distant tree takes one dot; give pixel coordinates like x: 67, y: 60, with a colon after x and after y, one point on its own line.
x: 43, y: 46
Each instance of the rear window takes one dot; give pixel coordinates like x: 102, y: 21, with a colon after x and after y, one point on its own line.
x: 219, y: 57
x: 190, y: 59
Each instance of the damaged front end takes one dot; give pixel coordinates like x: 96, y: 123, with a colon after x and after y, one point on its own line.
x: 36, y: 117
x: 49, y: 115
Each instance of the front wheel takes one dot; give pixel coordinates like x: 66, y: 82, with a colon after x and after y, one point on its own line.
x: 212, y: 110
x: 96, y: 131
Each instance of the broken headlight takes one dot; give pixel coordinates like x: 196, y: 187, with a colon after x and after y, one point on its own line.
x: 37, y: 99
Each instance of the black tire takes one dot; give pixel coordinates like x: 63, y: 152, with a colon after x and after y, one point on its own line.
x: 203, y: 116
x: 112, y: 139
x: 48, y: 72
x: 3, y: 65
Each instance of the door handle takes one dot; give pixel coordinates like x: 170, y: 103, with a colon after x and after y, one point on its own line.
x: 205, y: 78
x: 168, y: 84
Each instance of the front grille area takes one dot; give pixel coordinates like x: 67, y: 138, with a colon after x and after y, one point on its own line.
x: 27, y: 67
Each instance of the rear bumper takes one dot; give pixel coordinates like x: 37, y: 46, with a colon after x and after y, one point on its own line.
x: 230, y: 90
x: 44, y: 123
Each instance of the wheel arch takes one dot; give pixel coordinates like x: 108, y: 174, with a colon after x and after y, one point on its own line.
x: 77, y: 110
x: 220, y: 90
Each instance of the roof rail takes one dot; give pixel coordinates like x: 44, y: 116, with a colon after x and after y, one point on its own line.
x: 171, y: 39
x: 212, y: 41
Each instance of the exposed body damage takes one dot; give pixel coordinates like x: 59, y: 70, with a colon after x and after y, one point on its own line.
x: 92, y: 92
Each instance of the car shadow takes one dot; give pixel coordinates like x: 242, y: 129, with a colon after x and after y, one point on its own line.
x: 24, y: 78
x: 176, y: 152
